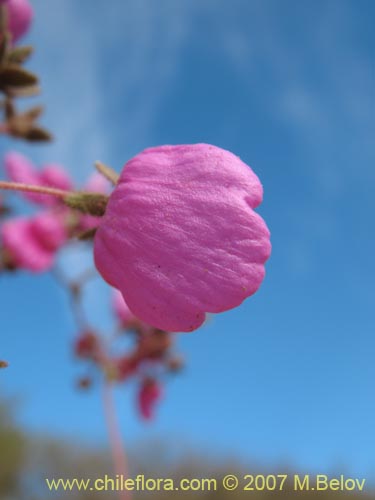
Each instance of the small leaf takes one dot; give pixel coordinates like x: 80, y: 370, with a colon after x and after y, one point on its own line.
x: 19, y: 125
x: 33, y: 113
x: 14, y: 76
x: 19, y: 55
x: 38, y: 134
x: 29, y: 91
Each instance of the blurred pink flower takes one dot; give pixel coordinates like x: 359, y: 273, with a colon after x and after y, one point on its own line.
x: 127, y: 366
x: 180, y: 237
x: 87, y: 346
x: 149, y: 394
x: 20, y: 169
x: 32, y: 243
x: 20, y: 14
x: 97, y: 183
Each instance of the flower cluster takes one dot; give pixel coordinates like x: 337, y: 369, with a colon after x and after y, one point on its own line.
x: 148, y: 361
x: 32, y: 242
x: 176, y: 237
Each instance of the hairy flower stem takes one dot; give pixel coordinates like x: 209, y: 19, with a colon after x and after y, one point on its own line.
x: 16, y: 186
x: 87, y: 203
x: 118, y: 451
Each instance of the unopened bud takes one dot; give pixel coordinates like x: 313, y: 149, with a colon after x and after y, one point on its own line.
x: 175, y: 364
x: 87, y: 346
x: 84, y: 383
x: 87, y: 203
x: 3, y: 364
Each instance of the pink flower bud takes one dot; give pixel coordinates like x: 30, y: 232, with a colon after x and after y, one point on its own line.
x: 87, y: 346
x: 126, y: 366
x: 20, y: 15
x: 180, y: 236
x: 49, y: 230
x: 149, y: 394
x: 20, y: 169
x: 53, y: 175
x: 31, y: 243
x: 155, y: 344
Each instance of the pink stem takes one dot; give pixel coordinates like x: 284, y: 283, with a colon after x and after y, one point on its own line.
x: 16, y: 186
x: 118, y: 451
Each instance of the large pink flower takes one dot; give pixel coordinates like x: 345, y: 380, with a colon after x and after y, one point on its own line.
x: 180, y: 237
x: 20, y: 15
x: 32, y: 242
x: 20, y: 169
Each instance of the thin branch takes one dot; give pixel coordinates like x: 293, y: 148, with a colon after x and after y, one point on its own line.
x: 118, y: 451
x: 16, y: 186
x: 75, y: 296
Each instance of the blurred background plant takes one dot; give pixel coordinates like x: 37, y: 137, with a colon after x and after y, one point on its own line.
x: 26, y: 460
x: 15, y: 80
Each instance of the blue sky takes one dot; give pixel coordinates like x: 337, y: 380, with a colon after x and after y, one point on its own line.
x: 289, y: 87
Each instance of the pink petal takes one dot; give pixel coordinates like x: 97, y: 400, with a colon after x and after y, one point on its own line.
x: 20, y: 169
x: 149, y: 394
x: 180, y: 237
x: 124, y: 314
x: 55, y: 176
x: 97, y: 184
x: 18, y: 240
x: 49, y: 230
x: 122, y: 311
x: 87, y: 222
x: 20, y: 15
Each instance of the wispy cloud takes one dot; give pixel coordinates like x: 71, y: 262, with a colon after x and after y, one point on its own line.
x: 321, y: 81
x: 104, y: 71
